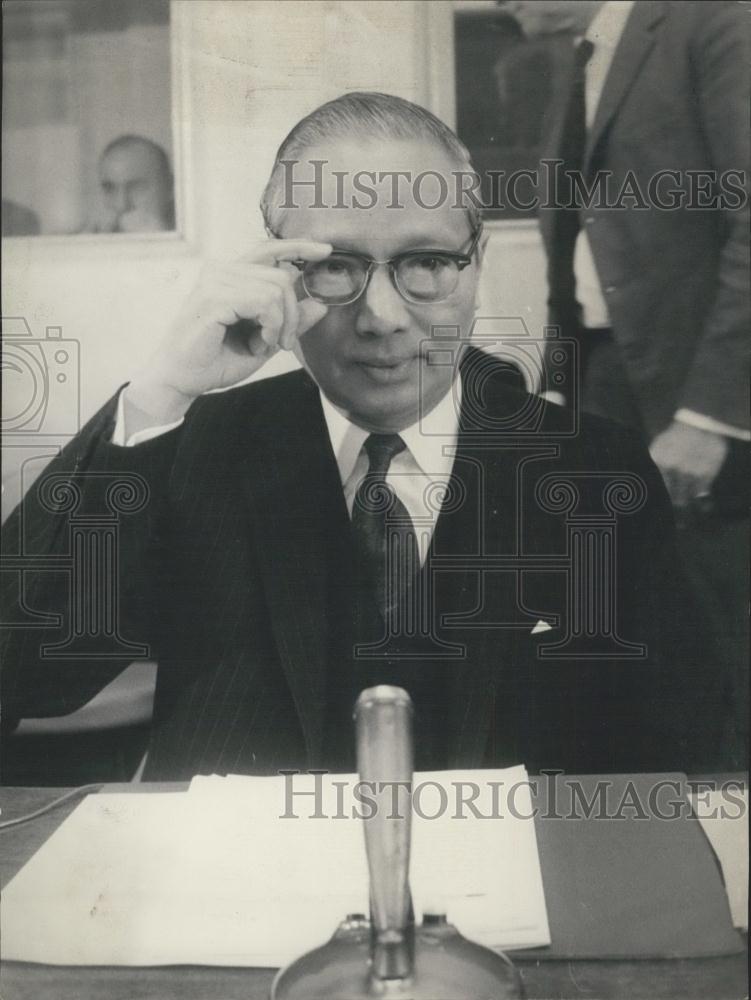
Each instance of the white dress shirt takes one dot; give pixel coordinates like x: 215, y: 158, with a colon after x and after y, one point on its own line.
x: 604, y: 33
x: 418, y: 475
x: 120, y: 435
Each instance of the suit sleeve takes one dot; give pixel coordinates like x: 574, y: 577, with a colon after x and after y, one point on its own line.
x: 717, y: 383
x: 78, y: 558
x: 684, y: 700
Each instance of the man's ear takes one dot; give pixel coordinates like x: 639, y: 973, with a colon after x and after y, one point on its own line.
x: 483, y: 242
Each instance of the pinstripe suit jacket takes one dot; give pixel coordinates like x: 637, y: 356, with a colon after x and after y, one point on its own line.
x: 234, y: 574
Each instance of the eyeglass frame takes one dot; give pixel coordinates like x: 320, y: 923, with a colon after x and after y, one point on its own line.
x: 462, y: 260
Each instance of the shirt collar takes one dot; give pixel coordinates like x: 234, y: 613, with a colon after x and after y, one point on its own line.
x: 607, y: 25
x: 430, y: 440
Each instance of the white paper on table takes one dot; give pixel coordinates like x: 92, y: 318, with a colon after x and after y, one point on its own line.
x: 726, y: 826
x: 216, y: 876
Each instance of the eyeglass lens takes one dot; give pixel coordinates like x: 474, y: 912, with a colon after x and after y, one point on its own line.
x: 340, y: 278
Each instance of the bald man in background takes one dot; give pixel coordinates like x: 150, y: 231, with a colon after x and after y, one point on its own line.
x: 136, y: 185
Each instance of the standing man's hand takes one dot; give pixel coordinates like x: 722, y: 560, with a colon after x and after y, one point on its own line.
x: 689, y: 460
x: 238, y: 316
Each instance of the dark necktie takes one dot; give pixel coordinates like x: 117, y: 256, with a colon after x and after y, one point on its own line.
x: 385, y: 541
x: 571, y: 151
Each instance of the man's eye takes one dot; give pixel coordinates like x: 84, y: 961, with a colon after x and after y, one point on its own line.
x: 430, y: 263
x: 334, y: 266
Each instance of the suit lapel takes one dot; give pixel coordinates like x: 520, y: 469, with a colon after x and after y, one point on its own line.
x: 485, y: 684
x: 299, y: 521
x: 484, y: 523
x: 633, y: 48
x: 472, y: 681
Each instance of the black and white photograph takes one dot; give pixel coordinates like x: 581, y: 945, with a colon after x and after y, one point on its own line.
x: 375, y: 527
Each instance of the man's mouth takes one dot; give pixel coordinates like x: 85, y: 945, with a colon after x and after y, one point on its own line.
x: 385, y: 370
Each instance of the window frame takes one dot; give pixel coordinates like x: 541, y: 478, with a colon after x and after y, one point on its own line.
x: 182, y: 239
x: 441, y: 90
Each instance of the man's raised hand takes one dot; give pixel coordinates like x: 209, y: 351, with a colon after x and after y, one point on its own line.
x: 237, y: 317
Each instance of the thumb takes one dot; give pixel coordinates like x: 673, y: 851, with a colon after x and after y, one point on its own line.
x: 311, y: 312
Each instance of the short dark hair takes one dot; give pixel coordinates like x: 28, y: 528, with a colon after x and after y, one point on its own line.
x: 370, y: 114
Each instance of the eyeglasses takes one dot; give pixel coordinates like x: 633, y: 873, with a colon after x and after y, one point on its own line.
x: 419, y: 276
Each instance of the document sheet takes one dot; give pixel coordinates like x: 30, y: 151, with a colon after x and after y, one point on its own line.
x: 254, y: 870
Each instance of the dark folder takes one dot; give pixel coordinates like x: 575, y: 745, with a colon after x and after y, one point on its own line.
x: 627, y: 878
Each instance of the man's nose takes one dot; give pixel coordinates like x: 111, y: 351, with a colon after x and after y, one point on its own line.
x: 382, y: 309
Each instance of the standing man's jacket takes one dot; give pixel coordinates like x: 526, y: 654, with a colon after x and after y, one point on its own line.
x: 671, y: 125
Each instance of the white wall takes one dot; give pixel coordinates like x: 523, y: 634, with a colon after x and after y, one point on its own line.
x: 247, y: 72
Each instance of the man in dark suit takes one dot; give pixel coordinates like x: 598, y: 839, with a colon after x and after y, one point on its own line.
x: 651, y: 276
x: 394, y: 512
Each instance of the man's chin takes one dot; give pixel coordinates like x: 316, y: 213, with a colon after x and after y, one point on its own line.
x: 386, y: 412
x: 391, y: 409
x: 384, y: 399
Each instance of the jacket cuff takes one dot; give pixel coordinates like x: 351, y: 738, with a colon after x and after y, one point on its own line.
x: 705, y: 423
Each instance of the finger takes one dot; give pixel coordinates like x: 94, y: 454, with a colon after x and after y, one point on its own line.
x: 261, y: 303
x: 238, y: 273
x: 681, y: 488
x: 271, y: 251
x: 271, y: 319
x: 700, y: 483
x: 236, y: 278
x: 291, y: 318
x: 256, y: 336
x: 244, y: 338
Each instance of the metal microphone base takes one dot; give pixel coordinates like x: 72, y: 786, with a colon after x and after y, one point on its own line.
x: 446, y: 967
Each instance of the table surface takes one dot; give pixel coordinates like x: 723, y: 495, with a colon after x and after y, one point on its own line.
x: 685, y: 979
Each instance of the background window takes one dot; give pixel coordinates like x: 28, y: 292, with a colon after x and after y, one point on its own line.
x: 505, y: 86
x: 87, y: 135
